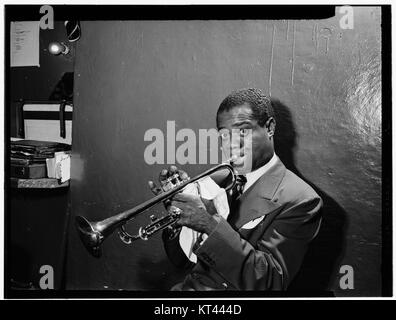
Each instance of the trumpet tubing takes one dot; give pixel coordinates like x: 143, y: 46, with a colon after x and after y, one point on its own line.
x: 92, y: 234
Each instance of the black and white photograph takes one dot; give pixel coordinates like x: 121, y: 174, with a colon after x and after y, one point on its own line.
x: 200, y: 151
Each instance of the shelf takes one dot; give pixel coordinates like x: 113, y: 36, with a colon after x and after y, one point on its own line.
x: 45, y: 183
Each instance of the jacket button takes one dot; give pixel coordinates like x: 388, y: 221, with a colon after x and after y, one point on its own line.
x: 225, y: 285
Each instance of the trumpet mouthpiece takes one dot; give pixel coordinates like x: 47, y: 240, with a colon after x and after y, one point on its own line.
x: 232, y: 159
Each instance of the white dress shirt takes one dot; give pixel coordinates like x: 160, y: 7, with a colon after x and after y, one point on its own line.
x: 253, y: 176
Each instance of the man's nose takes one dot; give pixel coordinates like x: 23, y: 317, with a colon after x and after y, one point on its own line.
x: 236, y: 141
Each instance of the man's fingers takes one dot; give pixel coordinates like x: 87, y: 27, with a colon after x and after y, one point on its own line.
x: 179, y: 205
x: 171, y: 177
x: 172, y: 170
x: 179, y: 223
x: 163, y: 176
x: 183, y: 175
x: 173, y: 207
x: 154, y: 189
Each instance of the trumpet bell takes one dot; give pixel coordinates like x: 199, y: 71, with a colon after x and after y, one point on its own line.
x: 90, y: 237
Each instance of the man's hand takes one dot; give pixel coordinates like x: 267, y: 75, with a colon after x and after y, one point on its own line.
x: 168, y: 179
x: 194, y: 213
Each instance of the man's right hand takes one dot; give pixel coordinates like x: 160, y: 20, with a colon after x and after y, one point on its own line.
x: 168, y: 179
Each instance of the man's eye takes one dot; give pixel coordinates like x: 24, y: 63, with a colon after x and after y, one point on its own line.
x: 244, y: 132
x: 225, y: 135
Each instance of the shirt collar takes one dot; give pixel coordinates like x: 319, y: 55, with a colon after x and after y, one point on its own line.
x: 253, y: 176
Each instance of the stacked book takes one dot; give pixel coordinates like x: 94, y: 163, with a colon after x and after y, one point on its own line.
x: 28, y: 157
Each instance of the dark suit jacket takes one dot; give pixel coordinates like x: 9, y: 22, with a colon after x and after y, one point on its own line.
x: 266, y: 257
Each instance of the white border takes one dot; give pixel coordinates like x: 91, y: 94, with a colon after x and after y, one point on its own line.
x: 183, y: 2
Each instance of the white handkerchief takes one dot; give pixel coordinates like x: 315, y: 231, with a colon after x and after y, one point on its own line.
x: 208, y: 190
x: 187, y: 239
x: 253, y: 223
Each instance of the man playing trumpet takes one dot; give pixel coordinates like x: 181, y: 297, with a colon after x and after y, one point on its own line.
x: 259, y: 240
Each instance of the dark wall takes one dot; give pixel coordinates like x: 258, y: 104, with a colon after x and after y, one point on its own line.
x: 131, y: 76
x: 37, y: 234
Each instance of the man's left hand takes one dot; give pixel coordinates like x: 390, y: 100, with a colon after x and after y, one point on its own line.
x: 194, y: 213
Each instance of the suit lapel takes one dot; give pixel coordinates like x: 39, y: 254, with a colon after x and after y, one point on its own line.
x: 257, y: 201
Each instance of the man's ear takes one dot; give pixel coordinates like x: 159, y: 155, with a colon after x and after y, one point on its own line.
x: 270, y: 124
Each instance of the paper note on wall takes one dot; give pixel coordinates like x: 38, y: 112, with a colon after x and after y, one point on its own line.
x: 25, y: 43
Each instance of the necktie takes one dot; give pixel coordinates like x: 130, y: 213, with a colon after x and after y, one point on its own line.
x: 239, y: 186
x: 235, y: 194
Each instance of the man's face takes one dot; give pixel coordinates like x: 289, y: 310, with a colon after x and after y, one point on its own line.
x: 244, y: 139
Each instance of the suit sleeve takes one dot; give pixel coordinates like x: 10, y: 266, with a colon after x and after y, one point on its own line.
x: 278, y: 255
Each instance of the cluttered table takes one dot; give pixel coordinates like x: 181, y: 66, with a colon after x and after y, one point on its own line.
x: 39, y: 164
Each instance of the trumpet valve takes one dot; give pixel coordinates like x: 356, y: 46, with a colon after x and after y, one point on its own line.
x: 143, y: 234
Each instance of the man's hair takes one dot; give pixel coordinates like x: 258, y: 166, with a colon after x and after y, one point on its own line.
x: 259, y: 103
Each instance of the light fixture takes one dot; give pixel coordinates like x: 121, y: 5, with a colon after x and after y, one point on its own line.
x: 73, y: 30
x: 57, y: 48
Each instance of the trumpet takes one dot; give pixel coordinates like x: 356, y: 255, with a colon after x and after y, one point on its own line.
x: 92, y: 234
